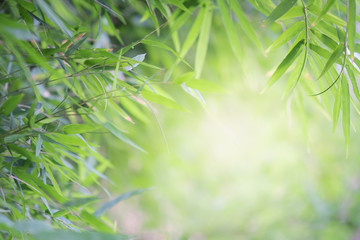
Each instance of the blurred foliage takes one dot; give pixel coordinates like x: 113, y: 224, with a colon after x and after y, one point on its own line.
x: 82, y: 85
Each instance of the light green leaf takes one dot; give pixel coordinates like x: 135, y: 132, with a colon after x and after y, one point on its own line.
x: 244, y: 23
x: 337, y: 107
x: 203, y: 41
x: 345, y: 96
x: 329, y: 3
x: 206, y: 86
x: 114, y: 130
x: 352, y: 27
x: 79, y: 128
x: 333, y: 58
x: 280, y: 10
x: 67, y: 139
x: 353, y: 82
x: 296, y: 73
x: 159, y: 99
x: 230, y: 30
x: 296, y: 11
x: 164, y: 46
x: 193, y: 33
x: 285, y: 64
x: 185, y: 78
x: 287, y: 35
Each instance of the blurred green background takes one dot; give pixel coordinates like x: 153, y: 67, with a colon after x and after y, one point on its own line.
x: 244, y: 165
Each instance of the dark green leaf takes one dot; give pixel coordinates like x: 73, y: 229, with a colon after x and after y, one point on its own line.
x: 10, y: 104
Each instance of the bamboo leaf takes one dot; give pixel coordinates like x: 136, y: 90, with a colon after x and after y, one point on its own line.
x: 280, y: 10
x: 53, y: 17
x: 185, y: 78
x: 352, y: 27
x: 10, y: 104
x: 159, y: 99
x: 287, y: 35
x: 193, y: 33
x: 329, y: 3
x: 333, y: 58
x: 116, y: 132
x: 244, y: 23
x: 353, y: 82
x: 71, y: 235
x: 75, y: 46
x: 345, y: 96
x: 118, y: 199
x: 230, y: 29
x: 203, y: 41
x: 94, y: 222
x: 337, y: 107
x: 206, y: 86
x: 285, y: 64
x: 79, y: 128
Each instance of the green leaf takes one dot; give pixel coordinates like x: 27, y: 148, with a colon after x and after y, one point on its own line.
x: 337, y: 107
x: 230, y: 30
x: 203, y: 41
x: 185, y: 78
x: 15, y: 30
x: 24, y: 152
x: 193, y: 33
x: 32, y: 226
x: 95, y: 222
x: 53, y: 17
x: 88, y: 235
x: 280, y: 10
x: 352, y: 27
x: 79, y: 202
x: 244, y: 23
x: 285, y: 64
x: 333, y: 58
x: 13, y: 138
x: 345, y: 96
x: 67, y: 139
x: 75, y: 46
x: 10, y: 104
x: 114, y: 130
x: 206, y: 86
x: 329, y: 3
x: 164, y: 46
x: 287, y: 35
x: 296, y: 11
x: 113, y: 202
x: 296, y: 73
x: 159, y: 99
x: 79, y: 128
x: 353, y: 82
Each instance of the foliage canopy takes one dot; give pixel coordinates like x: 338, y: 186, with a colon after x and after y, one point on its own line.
x: 74, y: 70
